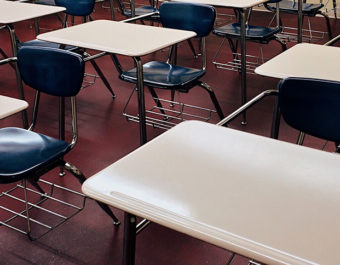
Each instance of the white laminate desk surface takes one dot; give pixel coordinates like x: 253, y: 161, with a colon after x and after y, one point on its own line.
x: 304, y: 60
x: 11, y: 12
x: 226, y: 3
x: 276, y: 202
x: 117, y: 37
x: 9, y: 106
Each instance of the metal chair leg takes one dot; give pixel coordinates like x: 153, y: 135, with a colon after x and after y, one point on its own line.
x: 282, y: 43
x: 108, y: 211
x: 192, y: 48
x: 156, y: 99
x: 213, y: 99
x: 27, y: 210
x: 276, y: 120
x: 172, y: 98
x: 335, y: 11
x: 103, y: 78
x: 328, y: 24
x: 81, y: 178
x: 36, y: 185
x: 230, y: 259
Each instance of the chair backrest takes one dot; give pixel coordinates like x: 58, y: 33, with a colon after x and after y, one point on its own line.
x: 77, y: 7
x: 53, y: 71
x: 311, y: 106
x: 188, y: 16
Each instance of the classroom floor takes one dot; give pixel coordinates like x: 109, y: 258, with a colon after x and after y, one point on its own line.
x: 105, y: 136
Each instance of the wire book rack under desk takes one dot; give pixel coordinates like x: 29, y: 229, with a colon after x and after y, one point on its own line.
x: 165, y: 114
x: 46, y: 210
x: 252, y: 62
x: 222, y: 59
x: 289, y: 34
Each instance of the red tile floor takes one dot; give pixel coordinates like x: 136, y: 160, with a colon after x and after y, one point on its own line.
x: 105, y: 136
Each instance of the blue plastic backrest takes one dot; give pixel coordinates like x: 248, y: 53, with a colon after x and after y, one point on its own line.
x: 77, y: 7
x: 53, y: 71
x: 311, y: 106
x: 188, y: 16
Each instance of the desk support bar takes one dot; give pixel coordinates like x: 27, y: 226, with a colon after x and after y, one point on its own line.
x: 142, y: 225
x: 10, y: 28
x: 8, y: 60
x: 129, y: 244
x: 243, y: 18
x: 92, y: 57
x: 332, y: 41
x: 141, y: 100
x: 246, y: 106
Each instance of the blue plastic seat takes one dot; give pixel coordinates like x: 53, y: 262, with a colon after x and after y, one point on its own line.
x: 25, y: 152
x: 26, y: 155
x: 253, y: 33
x: 308, y: 9
x: 167, y: 75
x: 232, y: 33
x: 45, y: 2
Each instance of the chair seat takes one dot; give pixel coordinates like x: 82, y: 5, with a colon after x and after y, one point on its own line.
x: 291, y: 7
x: 254, y: 33
x: 143, y: 11
x: 40, y: 43
x: 23, y: 151
x: 166, y: 76
x: 45, y: 2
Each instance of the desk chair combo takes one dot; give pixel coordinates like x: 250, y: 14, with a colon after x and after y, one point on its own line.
x: 25, y: 155
x: 79, y: 9
x: 232, y: 33
x: 310, y: 106
x: 73, y: 9
x: 308, y: 10
x: 132, y: 11
x: 168, y: 75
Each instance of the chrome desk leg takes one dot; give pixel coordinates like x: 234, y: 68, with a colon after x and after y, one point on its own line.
x: 129, y: 244
x: 10, y: 28
x: 36, y: 26
x: 102, y: 77
x: 276, y: 120
x: 112, y: 10
x: 243, y: 62
x: 61, y: 128
x: 300, y: 17
x: 141, y: 100
x: 335, y: 11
